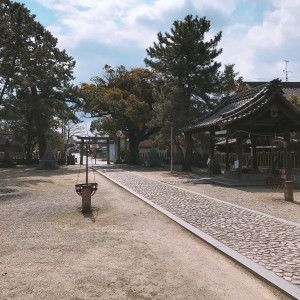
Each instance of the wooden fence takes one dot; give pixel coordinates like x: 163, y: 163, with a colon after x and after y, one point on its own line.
x: 143, y: 154
x: 264, y: 159
x: 21, y: 157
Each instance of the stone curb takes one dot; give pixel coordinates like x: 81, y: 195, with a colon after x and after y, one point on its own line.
x: 259, y: 271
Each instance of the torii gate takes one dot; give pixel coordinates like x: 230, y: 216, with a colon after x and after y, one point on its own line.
x: 97, y: 140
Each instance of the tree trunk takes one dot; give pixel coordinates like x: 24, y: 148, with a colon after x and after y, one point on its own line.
x: 29, y: 130
x: 29, y: 135
x: 187, y: 161
x: 134, y: 149
x: 40, y: 121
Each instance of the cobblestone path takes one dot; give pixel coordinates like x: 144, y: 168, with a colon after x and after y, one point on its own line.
x: 271, y: 242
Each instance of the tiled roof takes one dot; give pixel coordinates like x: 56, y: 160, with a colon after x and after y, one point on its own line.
x: 243, y: 104
x: 288, y: 88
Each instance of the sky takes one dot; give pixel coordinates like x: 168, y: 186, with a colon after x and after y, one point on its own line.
x: 258, y: 36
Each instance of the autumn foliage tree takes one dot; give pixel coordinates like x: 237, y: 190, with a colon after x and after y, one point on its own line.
x: 122, y: 100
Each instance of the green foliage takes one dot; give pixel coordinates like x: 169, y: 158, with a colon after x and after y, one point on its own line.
x: 34, y: 75
x: 185, y: 58
x: 122, y: 100
x: 190, y: 82
x: 295, y: 100
x: 230, y: 83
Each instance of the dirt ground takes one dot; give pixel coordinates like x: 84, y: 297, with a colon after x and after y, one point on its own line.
x: 124, y: 249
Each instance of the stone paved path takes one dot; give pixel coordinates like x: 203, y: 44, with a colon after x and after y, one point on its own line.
x: 271, y: 242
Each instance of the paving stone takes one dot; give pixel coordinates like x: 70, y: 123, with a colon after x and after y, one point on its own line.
x: 269, y: 241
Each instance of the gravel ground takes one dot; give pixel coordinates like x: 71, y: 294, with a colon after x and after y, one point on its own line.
x: 123, y: 249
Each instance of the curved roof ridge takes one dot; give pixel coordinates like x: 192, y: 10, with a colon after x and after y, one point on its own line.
x: 256, y: 97
x: 246, y: 93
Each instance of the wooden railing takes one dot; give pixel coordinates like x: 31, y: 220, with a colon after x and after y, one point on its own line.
x: 21, y: 157
x: 264, y: 159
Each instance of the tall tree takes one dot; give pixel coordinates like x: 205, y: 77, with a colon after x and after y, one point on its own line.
x: 230, y: 82
x: 186, y: 58
x: 122, y: 100
x: 34, y: 73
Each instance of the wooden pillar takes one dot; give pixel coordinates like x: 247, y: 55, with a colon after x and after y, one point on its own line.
x: 288, y: 163
x: 288, y: 191
x: 253, y: 154
x: 107, y: 152
x: 239, y: 153
x: 81, y: 151
x: 86, y: 198
x: 118, y: 148
x: 227, y: 165
x: 211, y: 153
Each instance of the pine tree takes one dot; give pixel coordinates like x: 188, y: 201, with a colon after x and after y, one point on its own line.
x: 186, y: 58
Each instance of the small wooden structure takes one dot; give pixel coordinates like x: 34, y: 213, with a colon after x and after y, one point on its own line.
x: 261, y: 111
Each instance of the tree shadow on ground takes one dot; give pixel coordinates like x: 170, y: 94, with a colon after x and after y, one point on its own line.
x: 26, y: 176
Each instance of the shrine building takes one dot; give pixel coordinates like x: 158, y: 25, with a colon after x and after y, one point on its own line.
x: 261, y: 113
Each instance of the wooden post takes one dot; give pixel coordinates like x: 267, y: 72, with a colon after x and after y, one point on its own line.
x: 211, y: 153
x: 87, y: 164
x: 171, y: 147
x: 254, y: 154
x: 239, y: 153
x: 288, y: 191
x: 118, y: 149
x: 288, y: 156
x: 81, y: 151
x: 86, y: 198
x: 107, y: 151
x: 227, y: 165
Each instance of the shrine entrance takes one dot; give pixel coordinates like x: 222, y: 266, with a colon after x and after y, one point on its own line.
x: 103, y: 140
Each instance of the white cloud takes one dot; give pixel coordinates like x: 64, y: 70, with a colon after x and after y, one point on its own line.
x: 120, y: 21
x: 258, y: 49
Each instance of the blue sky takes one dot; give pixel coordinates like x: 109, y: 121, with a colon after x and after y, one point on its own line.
x: 258, y: 35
